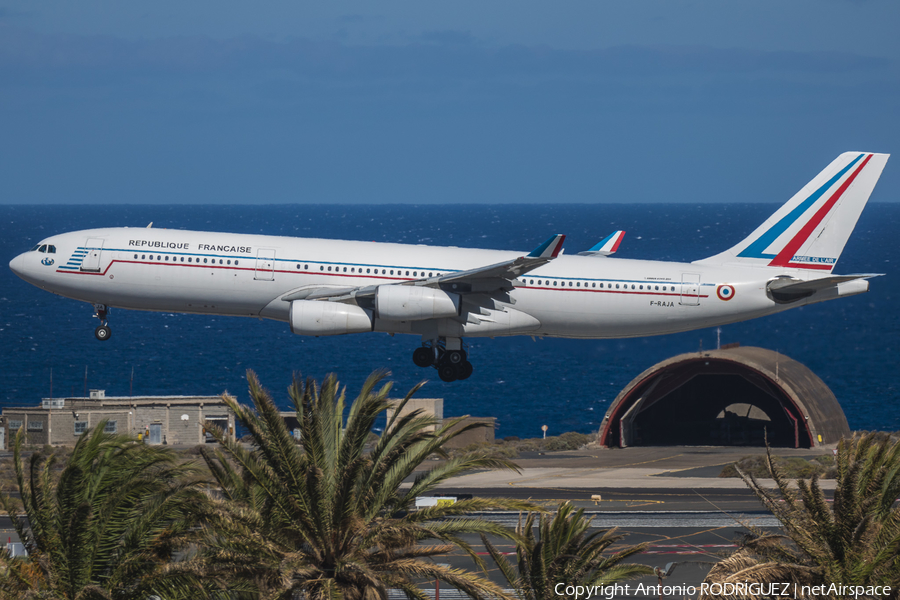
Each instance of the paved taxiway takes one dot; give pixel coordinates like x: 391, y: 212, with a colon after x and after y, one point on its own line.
x: 669, y: 497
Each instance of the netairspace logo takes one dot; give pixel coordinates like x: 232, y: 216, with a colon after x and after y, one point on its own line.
x: 771, y: 590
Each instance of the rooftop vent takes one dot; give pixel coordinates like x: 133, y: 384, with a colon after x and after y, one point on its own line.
x: 98, y: 394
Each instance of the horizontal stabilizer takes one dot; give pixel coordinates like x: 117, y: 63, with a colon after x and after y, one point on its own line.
x: 786, y: 289
x: 608, y: 246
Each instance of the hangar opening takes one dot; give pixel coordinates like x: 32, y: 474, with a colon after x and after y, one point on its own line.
x: 733, y: 397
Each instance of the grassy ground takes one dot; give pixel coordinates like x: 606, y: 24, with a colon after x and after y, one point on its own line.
x: 512, y: 447
x: 794, y: 467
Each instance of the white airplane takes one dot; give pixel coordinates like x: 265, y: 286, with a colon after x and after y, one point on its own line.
x: 443, y: 294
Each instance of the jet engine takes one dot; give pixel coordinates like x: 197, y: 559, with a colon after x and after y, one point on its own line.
x: 310, y: 317
x: 414, y: 303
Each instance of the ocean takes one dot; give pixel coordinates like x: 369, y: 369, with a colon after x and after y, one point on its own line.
x: 853, y: 344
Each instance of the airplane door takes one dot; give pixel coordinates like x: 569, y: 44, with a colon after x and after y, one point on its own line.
x: 91, y: 262
x: 265, y: 265
x: 690, y: 289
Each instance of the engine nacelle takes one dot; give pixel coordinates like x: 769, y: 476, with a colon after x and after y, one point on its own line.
x: 414, y: 303
x: 311, y: 317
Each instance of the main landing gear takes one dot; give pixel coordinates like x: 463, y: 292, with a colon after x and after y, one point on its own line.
x: 447, y: 356
x: 103, y: 331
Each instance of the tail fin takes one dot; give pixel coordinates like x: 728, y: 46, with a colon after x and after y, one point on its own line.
x: 810, y: 231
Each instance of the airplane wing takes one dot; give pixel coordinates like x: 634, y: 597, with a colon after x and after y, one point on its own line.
x: 607, y: 246
x: 491, y: 279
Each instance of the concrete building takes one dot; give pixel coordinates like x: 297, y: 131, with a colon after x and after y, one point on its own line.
x: 176, y: 420
x: 435, y: 407
x: 729, y: 397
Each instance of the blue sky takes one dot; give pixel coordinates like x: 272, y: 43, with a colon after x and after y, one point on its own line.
x: 441, y: 102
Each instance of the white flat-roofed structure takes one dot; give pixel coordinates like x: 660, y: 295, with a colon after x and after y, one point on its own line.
x: 176, y: 420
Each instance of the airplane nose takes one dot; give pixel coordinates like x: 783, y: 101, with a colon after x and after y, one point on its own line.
x: 17, y: 266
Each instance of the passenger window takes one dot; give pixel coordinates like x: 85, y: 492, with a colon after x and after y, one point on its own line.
x: 392, y: 271
x: 135, y: 256
x: 235, y: 263
x: 429, y: 273
x: 229, y: 262
x: 167, y: 258
x: 657, y: 288
x: 617, y: 286
x: 664, y: 288
x: 143, y: 257
x: 345, y: 269
x: 204, y: 260
x: 593, y: 285
x: 329, y: 269
x: 189, y: 259
x: 632, y: 286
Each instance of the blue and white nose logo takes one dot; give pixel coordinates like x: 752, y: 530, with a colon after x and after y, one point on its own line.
x: 725, y: 292
x: 47, y: 261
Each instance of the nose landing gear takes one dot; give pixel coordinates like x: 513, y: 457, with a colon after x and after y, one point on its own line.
x: 103, y: 331
x: 447, y: 355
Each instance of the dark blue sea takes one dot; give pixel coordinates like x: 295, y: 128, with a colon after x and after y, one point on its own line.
x: 853, y: 344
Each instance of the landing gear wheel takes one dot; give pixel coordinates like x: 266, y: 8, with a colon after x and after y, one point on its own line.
x: 448, y: 372
x: 455, y: 357
x: 423, y: 357
x: 465, y: 370
x: 102, y: 333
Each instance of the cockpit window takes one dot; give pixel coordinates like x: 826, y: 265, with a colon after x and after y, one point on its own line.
x: 35, y: 248
x: 43, y: 248
x: 51, y: 249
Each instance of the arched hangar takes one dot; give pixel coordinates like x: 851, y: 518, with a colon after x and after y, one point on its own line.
x: 733, y: 397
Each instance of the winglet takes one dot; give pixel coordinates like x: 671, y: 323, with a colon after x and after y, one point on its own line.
x: 608, y: 246
x: 550, y: 248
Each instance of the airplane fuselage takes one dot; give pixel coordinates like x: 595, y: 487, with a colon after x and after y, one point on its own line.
x: 249, y: 275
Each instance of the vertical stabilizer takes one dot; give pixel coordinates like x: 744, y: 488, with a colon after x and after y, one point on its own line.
x: 811, y: 229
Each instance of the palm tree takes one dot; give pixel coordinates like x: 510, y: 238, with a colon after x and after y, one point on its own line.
x: 565, y: 553
x: 332, y: 518
x: 107, y: 527
x: 855, y: 540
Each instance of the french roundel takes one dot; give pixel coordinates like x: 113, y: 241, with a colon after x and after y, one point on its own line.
x: 725, y: 292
